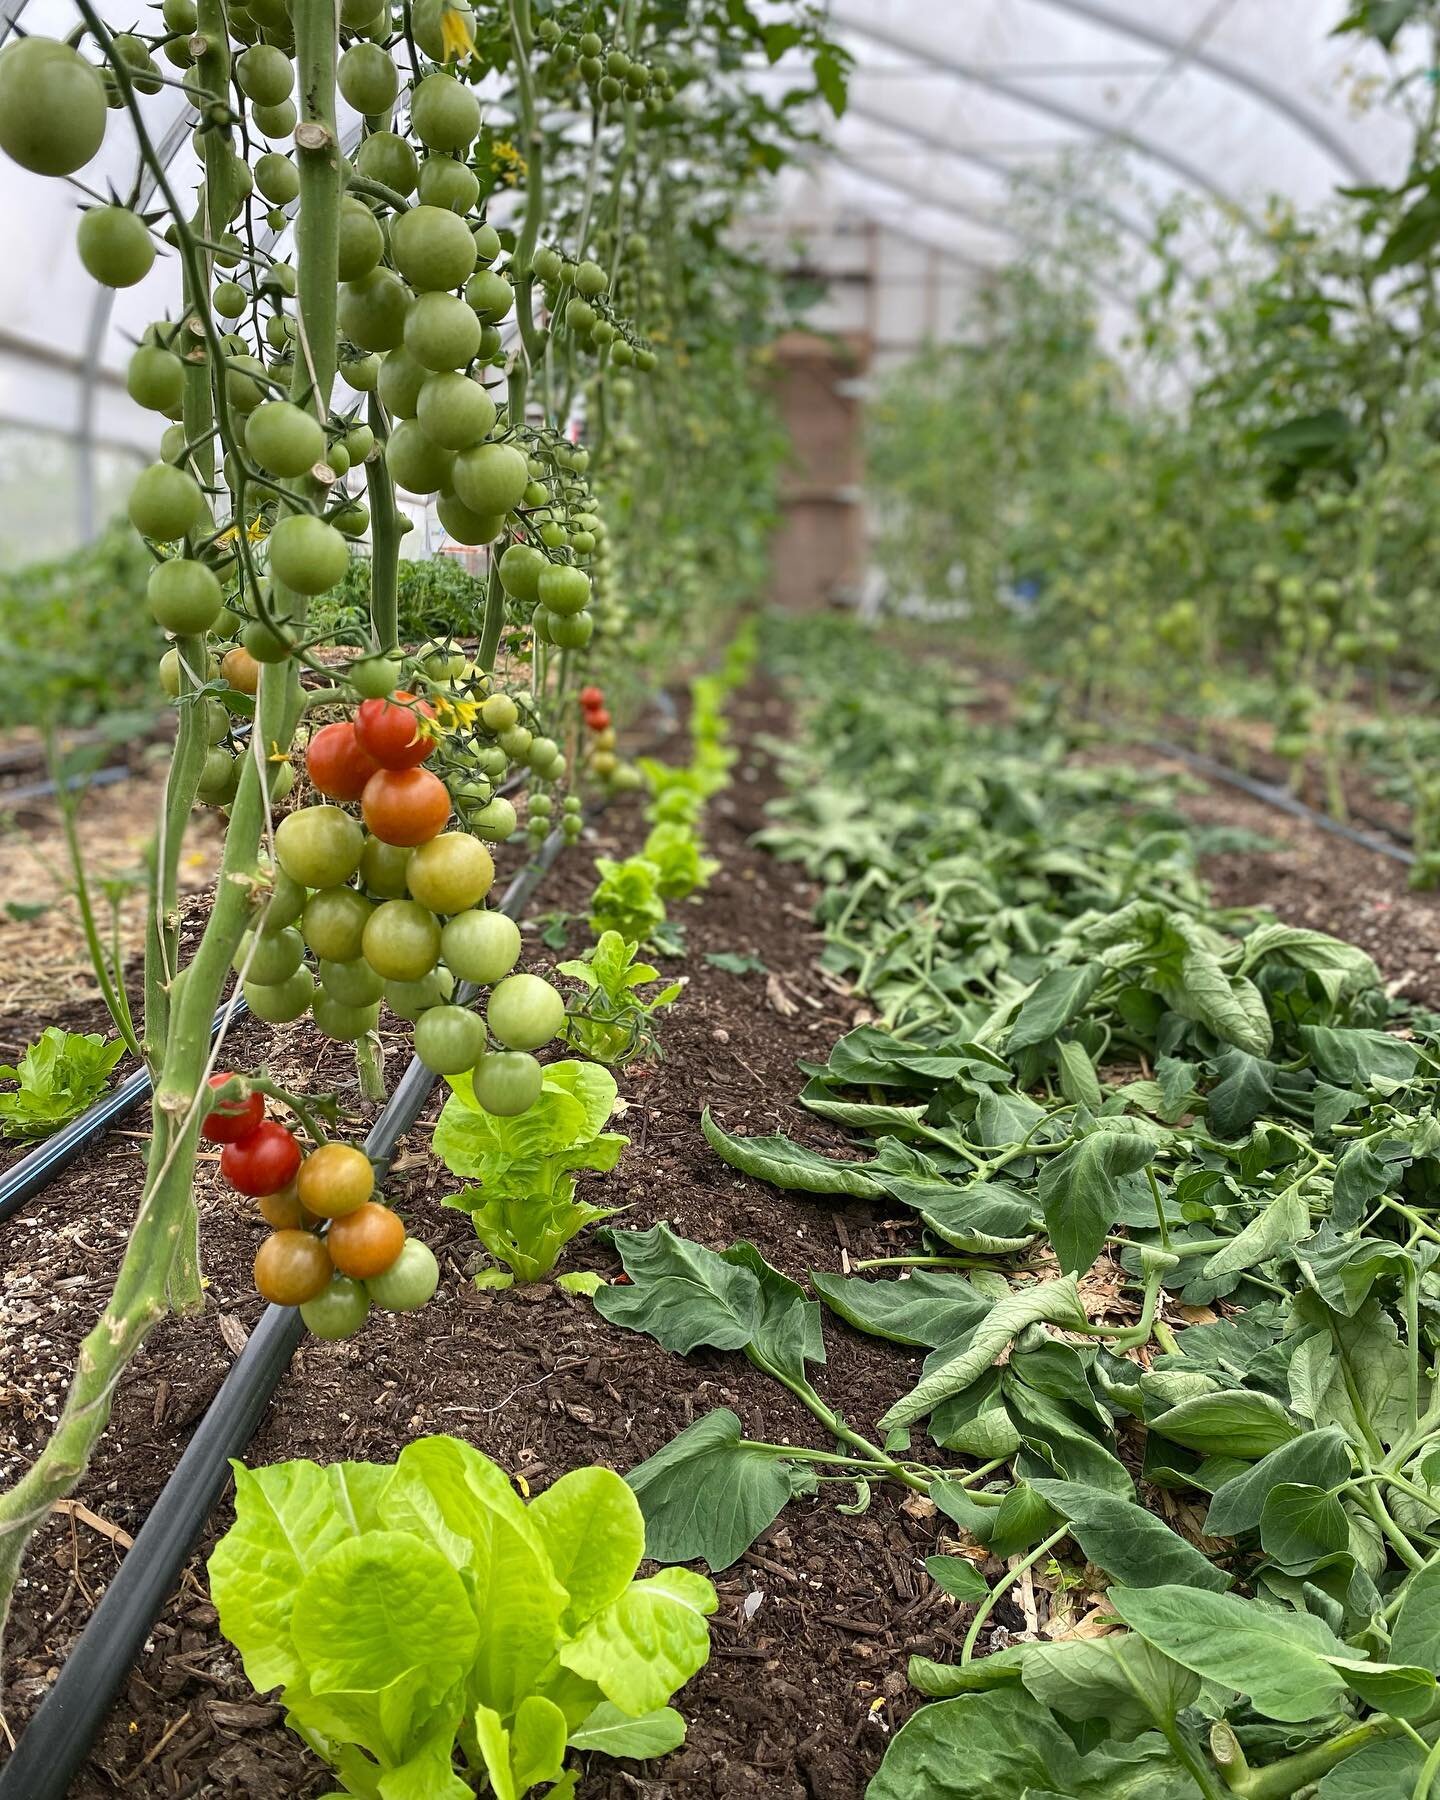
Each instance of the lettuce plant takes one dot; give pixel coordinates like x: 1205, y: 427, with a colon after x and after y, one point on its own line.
x: 627, y: 898
x: 523, y: 1205
x: 429, y: 1630
x: 610, y: 1021
x: 59, y: 1076
x: 678, y: 855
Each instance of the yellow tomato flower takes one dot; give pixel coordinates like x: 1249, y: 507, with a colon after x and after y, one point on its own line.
x: 457, y: 32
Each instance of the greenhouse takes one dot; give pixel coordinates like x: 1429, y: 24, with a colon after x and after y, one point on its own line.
x: 784, y: 652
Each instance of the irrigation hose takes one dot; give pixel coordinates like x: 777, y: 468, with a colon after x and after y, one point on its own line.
x: 58, y: 1738
x: 35, y: 1170
x: 1280, y: 798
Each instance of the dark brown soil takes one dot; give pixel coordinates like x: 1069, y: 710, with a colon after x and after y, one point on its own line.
x: 808, y: 1675
x: 807, y: 1680
x: 1315, y: 879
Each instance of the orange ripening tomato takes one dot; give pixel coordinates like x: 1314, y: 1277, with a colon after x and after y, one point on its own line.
x: 386, y: 730
x: 241, y: 670
x: 365, y: 1242
x: 405, y: 806
x: 292, y: 1267
x: 598, y: 719
x: 336, y: 764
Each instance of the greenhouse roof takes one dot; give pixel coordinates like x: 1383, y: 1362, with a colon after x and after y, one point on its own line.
x: 970, y: 131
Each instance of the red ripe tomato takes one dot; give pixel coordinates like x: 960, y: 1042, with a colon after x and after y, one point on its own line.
x: 386, y: 730
x: 598, y: 719
x: 231, y: 1119
x: 263, y: 1161
x: 336, y: 764
x: 405, y: 806
x: 591, y: 697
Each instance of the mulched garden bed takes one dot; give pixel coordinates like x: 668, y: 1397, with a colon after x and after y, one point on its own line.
x: 807, y: 1678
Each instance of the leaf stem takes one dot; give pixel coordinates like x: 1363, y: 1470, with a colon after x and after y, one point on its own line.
x: 1001, y: 1587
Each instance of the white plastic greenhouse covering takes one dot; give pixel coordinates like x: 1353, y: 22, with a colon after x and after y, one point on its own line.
x: 974, y: 128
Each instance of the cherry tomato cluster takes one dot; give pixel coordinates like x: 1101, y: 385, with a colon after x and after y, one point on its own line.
x: 333, y: 1250
x: 592, y: 705
x: 603, y: 762
x: 391, y: 905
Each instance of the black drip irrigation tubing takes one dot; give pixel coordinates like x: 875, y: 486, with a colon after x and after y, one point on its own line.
x: 37, y: 790
x: 1281, y: 799
x: 24, y: 1179
x: 58, y: 1738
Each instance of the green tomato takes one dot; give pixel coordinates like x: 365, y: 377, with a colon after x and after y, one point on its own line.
x: 402, y: 940
x: 337, y: 1311
x: 265, y: 74
x: 307, y: 555
x: 368, y: 78
x: 408, y: 999
x: 352, y: 983
x: 409, y: 1282
x: 334, y: 923
x: 272, y: 957
x: 490, y: 478
x: 449, y: 1039
x: 343, y: 1023
x: 399, y: 384
x: 52, y: 106
x: 524, y: 1012
x: 115, y: 246
x: 521, y: 566
x: 319, y: 846
x: 572, y: 631
x: 432, y: 247
x: 374, y: 677
x: 454, y: 411
x: 490, y: 294
x: 372, y: 309
x: 441, y: 332
x: 494, y: 821
x: 389, y: 159
x: 508, y: 1082
x: 184, y: 596
x: 444, y: 113
x: 480, y: 946
x: 285, y: 440
x: 282, y: 1004
x: 464, y: 526
x: 448, y: 184
x: 416, y: 463
x: 362, y: 242
x: 563, y: 588
x: 165, y: 502
x: 277, y: 177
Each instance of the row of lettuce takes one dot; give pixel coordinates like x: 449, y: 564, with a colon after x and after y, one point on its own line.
x: 418, y: 1612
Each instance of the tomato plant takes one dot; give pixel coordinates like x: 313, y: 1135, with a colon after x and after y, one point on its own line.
x: 293, y: 388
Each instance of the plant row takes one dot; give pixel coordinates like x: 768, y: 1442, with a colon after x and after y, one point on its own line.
x: 1172, y: 1174
x: 1233, y: 480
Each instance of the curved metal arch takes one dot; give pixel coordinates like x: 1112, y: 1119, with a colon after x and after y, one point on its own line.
x: 1236, y: 73
x: 996, y: 166
x: 1191, y: 173
x: 973, y: 214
